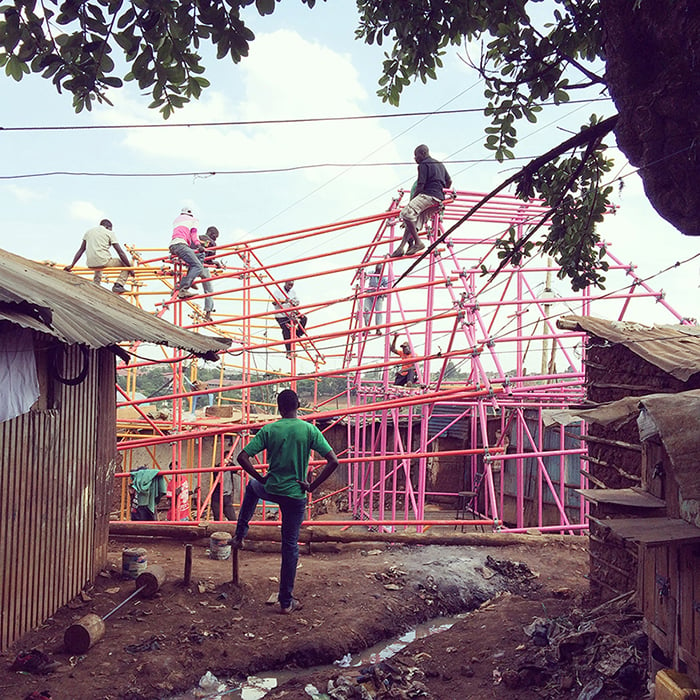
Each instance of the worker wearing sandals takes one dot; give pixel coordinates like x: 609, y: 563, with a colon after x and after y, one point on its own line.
x: 288, y: 442
x: 433, y: 178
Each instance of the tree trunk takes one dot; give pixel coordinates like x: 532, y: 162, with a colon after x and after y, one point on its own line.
x: 653, y: 72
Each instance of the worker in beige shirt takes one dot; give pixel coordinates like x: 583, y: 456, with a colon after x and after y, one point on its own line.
x: 97, y: 242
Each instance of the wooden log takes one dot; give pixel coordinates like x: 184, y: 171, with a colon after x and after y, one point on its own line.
x: 131, y: 529
x: 644, y: 388
x: 487, y: 539
x: 80, y: 636
x: 320, y: 534
x: 591, y: 478
x: 606, y: 441
x: 150, y: 580
x: 607, y: 465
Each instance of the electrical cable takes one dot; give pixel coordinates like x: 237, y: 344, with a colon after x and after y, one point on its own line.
x: 267, y: 122
x: 211, y: 173
x: 371, y: 153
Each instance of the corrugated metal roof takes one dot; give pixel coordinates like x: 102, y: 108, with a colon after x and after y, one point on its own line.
x: 77, y: 311
x: 452, y: 415
x: 674, y: 349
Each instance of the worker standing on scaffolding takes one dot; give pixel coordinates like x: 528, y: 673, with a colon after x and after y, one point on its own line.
x: 433, y: 178
x: 288, y: 318
x: 207, y: 257
x: 375, y: 303
x: 288, y: 442
x: 408, y: 373
x: 185, y: 245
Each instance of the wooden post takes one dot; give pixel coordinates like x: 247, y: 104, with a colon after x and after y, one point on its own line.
x: 234, y: 565
x: 188, y: 565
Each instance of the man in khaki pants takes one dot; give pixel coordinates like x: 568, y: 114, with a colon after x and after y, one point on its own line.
x: 97, y: 242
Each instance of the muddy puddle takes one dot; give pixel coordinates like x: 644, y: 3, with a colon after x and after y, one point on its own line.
x: 256, y: 687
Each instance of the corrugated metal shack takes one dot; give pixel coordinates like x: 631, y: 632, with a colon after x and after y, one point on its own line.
x: 452, y: 426
x: 59, y: 337
x: 450, y: 429
x: 625, y: 359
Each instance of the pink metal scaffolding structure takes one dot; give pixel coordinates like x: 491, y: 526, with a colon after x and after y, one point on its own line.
x: 490, y: 358
x: 509, y: 454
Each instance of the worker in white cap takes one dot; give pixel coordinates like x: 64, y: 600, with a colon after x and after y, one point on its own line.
x: 185, y: 245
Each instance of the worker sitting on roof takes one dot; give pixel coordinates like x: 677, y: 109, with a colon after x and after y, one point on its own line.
x: 408, y: 373
x: 97, y: 242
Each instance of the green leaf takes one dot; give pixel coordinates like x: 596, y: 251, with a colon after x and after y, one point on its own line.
x: 112, y: 82
x: 265, y: 7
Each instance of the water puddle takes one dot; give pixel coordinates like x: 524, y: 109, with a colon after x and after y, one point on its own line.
x: 256, y: 687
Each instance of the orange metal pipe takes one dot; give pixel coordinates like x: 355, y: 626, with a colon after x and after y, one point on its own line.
x: 314, y: 375
x: 379, y: 406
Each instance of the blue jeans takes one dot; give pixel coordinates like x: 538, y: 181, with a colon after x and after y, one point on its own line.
x: 208, y: 289
x: 378, y: 304
x: 189, y: 257
x: 293, y: 510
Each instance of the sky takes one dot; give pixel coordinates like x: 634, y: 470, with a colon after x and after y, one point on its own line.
x: 303, y: 63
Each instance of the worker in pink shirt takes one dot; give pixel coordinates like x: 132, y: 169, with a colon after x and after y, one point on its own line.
x: 185, y: 244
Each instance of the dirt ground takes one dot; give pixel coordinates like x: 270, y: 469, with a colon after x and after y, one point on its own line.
x: 529, y: 635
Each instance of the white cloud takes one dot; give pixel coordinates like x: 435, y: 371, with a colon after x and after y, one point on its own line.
x: 25, y: 194
x: 284, y: 77
x: 85, y: 211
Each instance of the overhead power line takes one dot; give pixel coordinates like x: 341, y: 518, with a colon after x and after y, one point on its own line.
x: 258, y: 171
x: 262, y: 122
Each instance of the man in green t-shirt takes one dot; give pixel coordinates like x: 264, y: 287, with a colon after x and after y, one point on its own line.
x: 288, y: 442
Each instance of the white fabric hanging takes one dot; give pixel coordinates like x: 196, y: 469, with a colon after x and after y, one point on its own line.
x: 18, y: 378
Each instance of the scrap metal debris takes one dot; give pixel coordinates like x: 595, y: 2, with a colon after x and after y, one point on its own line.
x: 151, y: 644
x: 380, y: 681
x: 194, y: 635
x: 393, y: 578
x: 602, y: 650
x: 517, y: 573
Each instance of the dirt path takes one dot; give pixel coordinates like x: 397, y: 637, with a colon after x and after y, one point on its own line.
x: 354, y: 596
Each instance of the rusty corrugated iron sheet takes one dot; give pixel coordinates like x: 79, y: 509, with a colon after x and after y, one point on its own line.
x: 77, y: 311
x: 56, y: 467
x: 677, y: 417
x: 674, y: 349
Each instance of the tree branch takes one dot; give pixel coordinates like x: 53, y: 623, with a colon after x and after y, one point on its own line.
x: 590, y: 148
